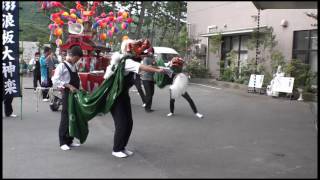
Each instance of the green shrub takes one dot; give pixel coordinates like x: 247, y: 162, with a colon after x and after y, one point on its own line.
x: 303, y: 76
x: 277, y: 59
x: 245, y: 72
x: 230, y: 72
x: 227, y: 75
x: 196, y: 68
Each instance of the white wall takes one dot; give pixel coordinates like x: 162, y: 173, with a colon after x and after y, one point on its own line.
x: 238, y: 15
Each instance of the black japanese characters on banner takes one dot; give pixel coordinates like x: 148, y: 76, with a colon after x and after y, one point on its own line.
x: 10, y: 49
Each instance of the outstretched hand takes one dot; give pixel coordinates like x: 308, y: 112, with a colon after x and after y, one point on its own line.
x: 167, y: 71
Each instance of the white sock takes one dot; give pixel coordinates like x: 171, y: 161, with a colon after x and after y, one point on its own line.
x: 199, y: 115
x: 119, y: 154
x: 74, y: 144
x: 65, y: 147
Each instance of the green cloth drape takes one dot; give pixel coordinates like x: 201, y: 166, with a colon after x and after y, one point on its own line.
x: 161, y: 79
x: 83, y: 106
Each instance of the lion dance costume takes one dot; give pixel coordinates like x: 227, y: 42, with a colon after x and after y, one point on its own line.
x: 178, y: 84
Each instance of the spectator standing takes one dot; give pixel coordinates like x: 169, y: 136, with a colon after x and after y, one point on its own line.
x: 46, y: 67
x: 36, y: 70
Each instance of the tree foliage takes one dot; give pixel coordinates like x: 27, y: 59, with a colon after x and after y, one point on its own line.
x: 215, y: 43
x: 162, y: 22
x: 196, y: 68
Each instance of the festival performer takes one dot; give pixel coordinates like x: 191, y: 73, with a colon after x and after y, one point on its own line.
x: 179, y: 83
x: 66, y: 77
x: 147, y: 79
x: 121, y: 109
x: 111, y: 96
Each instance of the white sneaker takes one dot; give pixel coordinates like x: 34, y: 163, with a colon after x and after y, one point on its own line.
x: 129, y: 153
x: 45, y: 100
x: 144, y: 105
x: 170, y: 114
x: 119, y: 154
x: 65, y: 147
x: 73, y: 144
x: 199, y: 115
x: 13, y: 115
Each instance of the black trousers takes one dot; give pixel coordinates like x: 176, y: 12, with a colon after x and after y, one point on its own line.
x: 137, y: 83
x: 122, y: 116
x: 188, y: 98
x: 36, y: 78
x: 8, y: 110
x: 149, y: 89
x: 64, y: 137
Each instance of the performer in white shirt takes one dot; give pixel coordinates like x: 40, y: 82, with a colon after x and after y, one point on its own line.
x: 121, y: 110
x: 66, y: 77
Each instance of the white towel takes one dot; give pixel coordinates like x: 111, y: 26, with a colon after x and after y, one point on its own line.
x: 179, y: 85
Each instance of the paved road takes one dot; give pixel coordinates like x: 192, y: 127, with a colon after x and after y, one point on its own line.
x: 241, y: 136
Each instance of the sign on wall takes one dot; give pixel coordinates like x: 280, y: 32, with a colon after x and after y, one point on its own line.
x: 256, y: 81
x: 10, y: 49
x: 283, y: 84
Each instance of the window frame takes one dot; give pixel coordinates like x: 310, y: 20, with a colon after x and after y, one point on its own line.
x: 239, y: 51
x: 307, y: 51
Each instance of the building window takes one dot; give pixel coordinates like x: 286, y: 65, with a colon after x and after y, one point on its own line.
x: 237, y: 44
x: 305, y: 47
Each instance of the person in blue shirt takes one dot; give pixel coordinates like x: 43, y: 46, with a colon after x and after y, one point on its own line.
x: 45, y: 61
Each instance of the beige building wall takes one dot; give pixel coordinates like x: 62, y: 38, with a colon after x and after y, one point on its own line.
x: 234, y: 15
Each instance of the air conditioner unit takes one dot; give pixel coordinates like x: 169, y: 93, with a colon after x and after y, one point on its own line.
x: 200, y: 49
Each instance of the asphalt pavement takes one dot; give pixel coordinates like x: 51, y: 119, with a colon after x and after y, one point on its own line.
x: 242, y: 135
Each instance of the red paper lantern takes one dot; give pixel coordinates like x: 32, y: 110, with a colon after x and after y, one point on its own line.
x: 103, y: 36
x: 103, y: 24
x: 58, y: 32
x: 124, y: 15
x: 110, y: 33
x: 124, y: 26
x: 73, y: 16
x: 103, y: 15
x: 129, y: 20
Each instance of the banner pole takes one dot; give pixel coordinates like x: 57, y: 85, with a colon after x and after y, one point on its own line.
x: 21, y: 98
x: 21, y: 83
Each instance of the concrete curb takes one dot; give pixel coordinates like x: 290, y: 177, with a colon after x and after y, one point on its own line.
x: 221, y: 84
x: 308, y: 97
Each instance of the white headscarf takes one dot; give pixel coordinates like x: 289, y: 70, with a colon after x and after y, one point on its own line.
x: 124, y: 45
